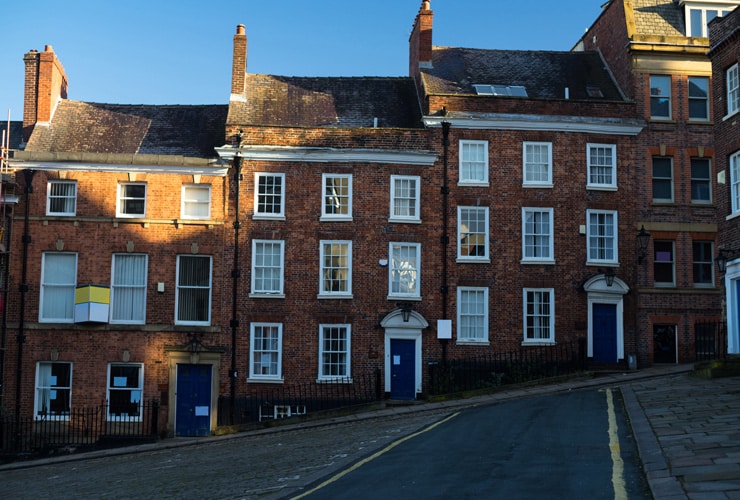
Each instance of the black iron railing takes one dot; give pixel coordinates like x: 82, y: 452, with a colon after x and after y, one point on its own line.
x: 500, y: 368
x: 710, y: 340
x: 286, y: 401
x: 85, y: 427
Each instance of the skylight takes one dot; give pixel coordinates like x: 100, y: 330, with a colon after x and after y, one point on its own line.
x: 501, y: 90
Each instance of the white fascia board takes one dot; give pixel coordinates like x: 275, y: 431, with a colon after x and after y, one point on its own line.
x: 215, y: 171
x: 547, y: 123
x: 325, y: 155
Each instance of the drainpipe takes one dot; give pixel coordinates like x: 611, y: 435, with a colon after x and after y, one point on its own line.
x: 235, y: 275
x: 445, y: 238
x: 28, y: 177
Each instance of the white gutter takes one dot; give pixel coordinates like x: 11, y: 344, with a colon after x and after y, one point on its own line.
x: 325, y: 155
x: 605, y: 126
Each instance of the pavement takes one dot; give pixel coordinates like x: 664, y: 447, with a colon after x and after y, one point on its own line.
x: 687, y: 429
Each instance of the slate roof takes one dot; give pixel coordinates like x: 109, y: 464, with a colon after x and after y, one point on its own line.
x: 658, y: 17
x: 81, y: 127
x: 327, y: 102
x: 544, y: 74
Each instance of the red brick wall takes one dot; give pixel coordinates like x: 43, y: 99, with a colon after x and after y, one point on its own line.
x: 95, y: 234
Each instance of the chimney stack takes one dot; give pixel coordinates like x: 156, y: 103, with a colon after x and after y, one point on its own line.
x: 420, y: 41
x: 45, y: 85
x: 239, y: 65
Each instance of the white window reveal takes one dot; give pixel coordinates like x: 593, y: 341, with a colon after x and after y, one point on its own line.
x: 537, y: 162
x: 266, y: 342
x: 404, y: 270
x: 473, y: 169
x: 335, y: 353
x: 405, y: 203
x: 602, y: 166
x: 53, y: 390
x: 61, y: 198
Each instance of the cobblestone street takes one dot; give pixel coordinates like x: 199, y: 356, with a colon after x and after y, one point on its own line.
x: 251, y: 466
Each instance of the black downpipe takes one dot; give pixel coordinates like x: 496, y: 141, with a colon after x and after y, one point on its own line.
x: 235, y: 275
x: 445, y: 238
x: 28, y: 177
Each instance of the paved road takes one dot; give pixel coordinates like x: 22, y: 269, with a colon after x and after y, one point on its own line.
x: 564, y: 446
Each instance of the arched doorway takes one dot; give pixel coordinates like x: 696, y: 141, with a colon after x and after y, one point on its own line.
x: 605, y: 319
x: 403, y: 362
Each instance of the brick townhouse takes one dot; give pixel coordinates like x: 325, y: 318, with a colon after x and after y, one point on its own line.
x: 316, y: 230
x: 539, y: 212
x: 657, y: 50
x: 724, y: 36
x: 488, y: 223
x: 117, y: 255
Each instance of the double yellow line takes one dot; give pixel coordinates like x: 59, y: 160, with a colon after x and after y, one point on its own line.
x: 374, y: 456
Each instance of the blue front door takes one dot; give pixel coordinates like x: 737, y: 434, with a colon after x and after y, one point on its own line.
x: 403, y: 369
x: 605, y: 333
x: 193, y: 413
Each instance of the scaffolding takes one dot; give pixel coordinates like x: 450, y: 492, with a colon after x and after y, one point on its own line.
x: 6, y: 183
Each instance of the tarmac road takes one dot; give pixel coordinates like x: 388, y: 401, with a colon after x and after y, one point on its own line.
x: 687, y: 432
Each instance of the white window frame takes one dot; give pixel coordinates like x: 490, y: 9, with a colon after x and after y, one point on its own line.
x: 188, y: 202
x: 472, y: 315
x: 266, y: 353
x: 532, y: 239
x: 699, y: 99
x: 264, y: 271
x: 129, y: 296
x: 669, y: 96
x: 467, y: 165
x: 735, y: 182
x: 48, y: 387
x: 66, y: 198
x: 182, y: 288
x: 342, y: 199
x: 653, y: 177
x: 65, y: 284
x: 672, y: 263
x: 732, y: 82
x: 702, y: 8
x: 135, y: 391
x: 403, y: 274
x: 123, y: 198
x: 346, y: 376
x: 345, y: 248
x: 703, y: 180
x: 405, y: 198
x: 535, y: 315
x: 528, y: 163
x: 600, y: 237
x: 594, y: 152
x: 261, y: 195
x: 464, y: 231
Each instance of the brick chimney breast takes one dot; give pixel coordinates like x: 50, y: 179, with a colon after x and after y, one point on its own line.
x: 420, y: 41
x: 239, y: 65
x: 45, y: 85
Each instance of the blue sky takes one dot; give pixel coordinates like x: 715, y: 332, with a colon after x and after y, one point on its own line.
x: 179, y: 51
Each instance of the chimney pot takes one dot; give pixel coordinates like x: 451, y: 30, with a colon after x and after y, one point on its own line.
x: 240, y: 29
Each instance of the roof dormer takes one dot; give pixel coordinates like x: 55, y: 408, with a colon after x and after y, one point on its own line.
x: 699, y: 13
